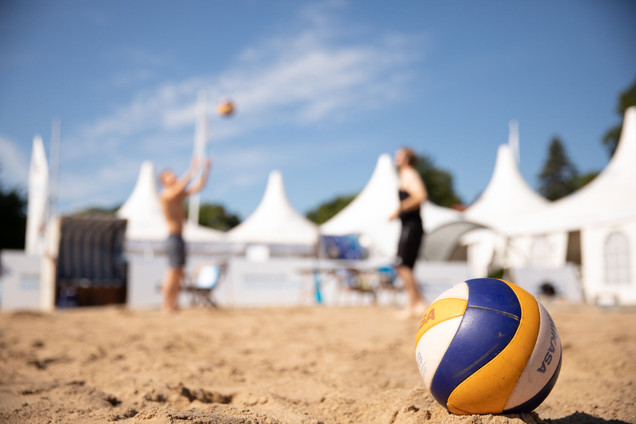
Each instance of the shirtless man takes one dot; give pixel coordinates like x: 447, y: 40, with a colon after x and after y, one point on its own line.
x: 172, y: 198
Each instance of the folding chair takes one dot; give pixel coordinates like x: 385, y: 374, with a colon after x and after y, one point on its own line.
x: 202, y: 286
x: 387, y: 281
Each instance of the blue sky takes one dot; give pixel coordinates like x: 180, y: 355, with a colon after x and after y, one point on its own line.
x: 322, y: 88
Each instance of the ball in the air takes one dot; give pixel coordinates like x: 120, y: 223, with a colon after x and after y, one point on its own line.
x: 225, y: 108
x: 486, y: 346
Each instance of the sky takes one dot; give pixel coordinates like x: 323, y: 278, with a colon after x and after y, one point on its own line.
x: 321, y: 89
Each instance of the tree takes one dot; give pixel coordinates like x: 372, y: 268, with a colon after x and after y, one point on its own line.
x: 439, y: 182
x: 626, y: 99
x: 215, y: 216
x: 12, y: 219
x: 583, y: 179
x: 559, y: 175
x: 327, y: 210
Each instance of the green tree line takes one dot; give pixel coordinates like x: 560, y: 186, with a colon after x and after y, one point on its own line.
x: 212, y: 215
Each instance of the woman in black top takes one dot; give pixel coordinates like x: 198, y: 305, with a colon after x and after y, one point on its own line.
x: 412, y: 193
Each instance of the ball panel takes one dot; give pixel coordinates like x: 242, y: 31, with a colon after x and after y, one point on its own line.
x: 440, y: 311
x: 490, y: 293
x: 432, y: 345
x: 458, y: 291
x: 542, y: 364
x: 457, y: 411
x: 487, y: 390
x: 539, y: 397
x: 482, y: 335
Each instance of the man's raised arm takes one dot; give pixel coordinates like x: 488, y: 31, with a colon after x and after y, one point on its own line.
x: 204, y: 178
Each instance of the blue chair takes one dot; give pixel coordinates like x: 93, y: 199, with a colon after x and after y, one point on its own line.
x: 387, y: 276
x: 202, y: 286
x: 341, y: 247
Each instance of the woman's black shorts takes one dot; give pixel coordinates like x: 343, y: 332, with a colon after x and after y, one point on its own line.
x: 409, y: 245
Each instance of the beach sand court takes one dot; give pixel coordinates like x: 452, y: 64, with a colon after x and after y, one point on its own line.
x: 278, y: 365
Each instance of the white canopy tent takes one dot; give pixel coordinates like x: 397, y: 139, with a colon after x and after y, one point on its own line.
x: 275, y: 221
x: 435, y: 216
x: 146, y: 223
x: 507, y: 197
x: 506, y: 201
x: 367, y: 215
x: 596, y: 225
x: 607, y: 198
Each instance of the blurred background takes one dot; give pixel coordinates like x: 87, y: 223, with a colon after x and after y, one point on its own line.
x: 322, y: 90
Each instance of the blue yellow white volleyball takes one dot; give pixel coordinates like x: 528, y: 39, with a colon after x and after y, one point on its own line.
x: 225, y: 108
x: 486, y: 346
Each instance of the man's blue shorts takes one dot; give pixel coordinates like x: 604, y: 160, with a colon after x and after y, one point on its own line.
x: 175, y: 249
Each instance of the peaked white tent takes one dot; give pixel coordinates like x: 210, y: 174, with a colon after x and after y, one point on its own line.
x: 507, y: 197
x: 275, y: 221
x: 38, y: 199
x: 435, y: 216
x: 595, y: 226
x: 506, y: 201
x: 607, y: 198
x: 142, y: 209
x: 367, y: 215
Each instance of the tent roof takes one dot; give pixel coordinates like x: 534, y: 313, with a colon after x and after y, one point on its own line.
x: 145, y: 218
x: 434, y: 216
x: 372, y: 206
x: 368, y: 213
x: 275, y: 221
x: 608, y: 198
x: 507, y: 198
x: 441, y: 242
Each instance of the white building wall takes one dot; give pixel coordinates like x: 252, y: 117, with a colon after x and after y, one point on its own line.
x: 20, y: 282
x: 593, y: 270
x: 540, y: 250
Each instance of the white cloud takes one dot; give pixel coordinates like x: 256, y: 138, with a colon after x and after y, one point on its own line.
x: 307, y: 75
x: 14, y: 165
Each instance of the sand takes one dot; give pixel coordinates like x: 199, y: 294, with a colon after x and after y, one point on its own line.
x: 278, y: 365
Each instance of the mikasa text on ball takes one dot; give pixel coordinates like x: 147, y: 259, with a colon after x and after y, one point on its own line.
x: 486, y: 346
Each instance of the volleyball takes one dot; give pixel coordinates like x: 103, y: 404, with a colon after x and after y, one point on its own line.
x: 225, y: 108
x: 486, y: 346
